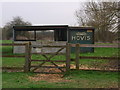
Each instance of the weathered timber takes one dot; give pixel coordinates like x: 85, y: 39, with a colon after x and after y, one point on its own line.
x: 48, y: 53
x: 47, y: 66
x: 93, y: 45
x: 47, y: 61
x: 68, y: 57
x: 57, y: 66
x: 38, y: 66
x: 13, y: 56
x: 56, y: 53
x: 98, y: 57
x: 27, y: 62
x: 49, y: 46
x: 77, y: 49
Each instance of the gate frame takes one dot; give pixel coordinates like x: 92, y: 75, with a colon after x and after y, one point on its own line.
x: 28, y: 59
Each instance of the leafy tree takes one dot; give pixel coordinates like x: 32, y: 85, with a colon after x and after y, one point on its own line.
x: 17, y: 21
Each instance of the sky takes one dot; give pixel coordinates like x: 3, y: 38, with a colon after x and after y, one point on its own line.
x: 40, y: 13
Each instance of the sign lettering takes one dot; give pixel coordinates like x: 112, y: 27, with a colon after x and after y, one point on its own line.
x: 81, y: 36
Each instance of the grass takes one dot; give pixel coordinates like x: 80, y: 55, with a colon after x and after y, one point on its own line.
x: 79, y: 79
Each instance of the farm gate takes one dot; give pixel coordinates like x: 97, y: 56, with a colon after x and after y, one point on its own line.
x: 47, y: 59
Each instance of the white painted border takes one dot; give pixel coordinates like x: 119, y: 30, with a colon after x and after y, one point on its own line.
x: 59, y: 0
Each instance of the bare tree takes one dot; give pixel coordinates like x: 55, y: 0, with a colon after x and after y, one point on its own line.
x: 101, y: 15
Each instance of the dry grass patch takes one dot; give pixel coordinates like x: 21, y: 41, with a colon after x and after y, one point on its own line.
x: 48, y: 78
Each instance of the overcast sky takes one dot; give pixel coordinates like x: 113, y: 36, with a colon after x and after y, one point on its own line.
x: 40, y: 12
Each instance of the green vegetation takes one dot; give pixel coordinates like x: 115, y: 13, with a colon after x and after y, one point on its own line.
x: 6, y: 41
x: 78, y: 79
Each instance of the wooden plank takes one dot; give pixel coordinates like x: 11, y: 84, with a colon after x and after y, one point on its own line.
x: 93, y: 45
x: 98, y: 57
x: 47, y: 61
x: 47, y: 66
x: 48, y: 53
x: 45, y: 57
x: 57, y: 66
x: 56, y: 53
x: 47, y: 46
x: 15, y: 44
x: 68, y: 57
x: 38, y: 66
x: 53, y: 46
x: 12, y: 56
x: 77, y: 56
x: 100, y: 46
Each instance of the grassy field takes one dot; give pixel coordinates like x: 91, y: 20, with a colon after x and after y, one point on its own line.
x: 76, y: 79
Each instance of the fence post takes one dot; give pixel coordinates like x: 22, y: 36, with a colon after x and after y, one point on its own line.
x: 67, y: 57
x: 30, y: 48
x: 27, y: 61
x: 77, y: 56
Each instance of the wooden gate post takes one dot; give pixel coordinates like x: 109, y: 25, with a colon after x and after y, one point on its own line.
x: 77, y: 56
x: 27, y: 57
x: 68, y: 57
x: 29, y: 52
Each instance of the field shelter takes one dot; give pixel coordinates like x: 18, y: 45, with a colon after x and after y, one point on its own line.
x: 53, y: 35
